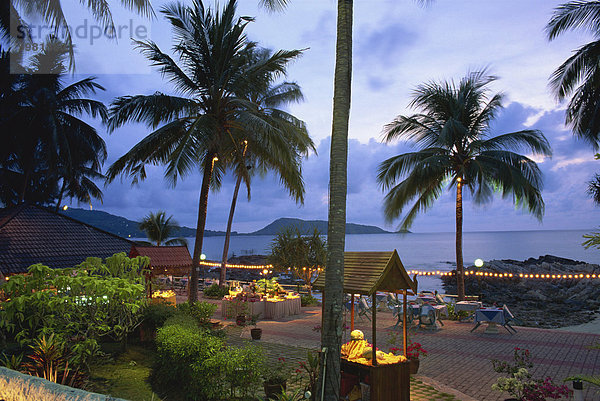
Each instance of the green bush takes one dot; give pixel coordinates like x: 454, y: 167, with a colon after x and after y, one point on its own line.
x: 154, y: 316
x: 183, y: 349
x: 237, y: 372
x: 201, y: 311
x: 308, y: 300
x: 194, y: 364
x: 216, y: 291
x: 452, y: 315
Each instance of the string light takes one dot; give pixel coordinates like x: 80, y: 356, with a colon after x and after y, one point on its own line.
x: 575, y: 276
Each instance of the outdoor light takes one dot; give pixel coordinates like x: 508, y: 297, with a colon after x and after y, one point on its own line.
x: 65, y: 207
x: 265, y: 271
x: 202, y: 256
x: 478, y: 262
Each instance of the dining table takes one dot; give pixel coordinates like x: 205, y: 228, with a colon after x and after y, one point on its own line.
x: 491, y: 316
x: 266, y: 308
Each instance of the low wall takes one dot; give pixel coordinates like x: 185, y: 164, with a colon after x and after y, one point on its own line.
x: 16, y: 386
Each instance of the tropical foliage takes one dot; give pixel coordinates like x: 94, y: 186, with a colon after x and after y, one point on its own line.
x: 270, y: 97
x: 159, y: 229
x: 209, y: 120
x: 46, y: 142
x: 305, y: 255
x: 79, y: 305
x: 455, y: 149
x: 579, y: 76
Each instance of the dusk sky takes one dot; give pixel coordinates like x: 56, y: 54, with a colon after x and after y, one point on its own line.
x: 397, y: 46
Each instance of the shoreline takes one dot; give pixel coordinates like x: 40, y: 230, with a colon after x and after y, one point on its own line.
x: 591, y: 327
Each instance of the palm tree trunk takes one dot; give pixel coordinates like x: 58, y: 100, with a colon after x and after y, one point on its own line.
x: 331, y: 335
x: 223, y: 275
x: 202, y: 208
x: 460, y: 270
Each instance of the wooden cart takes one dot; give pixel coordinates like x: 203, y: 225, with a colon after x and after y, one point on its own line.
x: 365, y: 273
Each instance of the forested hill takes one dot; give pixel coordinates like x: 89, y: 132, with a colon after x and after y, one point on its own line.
x: 124, y: 227
x: 308, y: 226
x: 129, y: 229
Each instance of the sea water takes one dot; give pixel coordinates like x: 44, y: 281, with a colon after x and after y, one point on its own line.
x: 435, y: 251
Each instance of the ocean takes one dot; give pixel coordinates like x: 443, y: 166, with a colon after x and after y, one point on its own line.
x: 435, y: 251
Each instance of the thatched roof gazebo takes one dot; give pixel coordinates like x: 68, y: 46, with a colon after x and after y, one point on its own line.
x: 365, y: 273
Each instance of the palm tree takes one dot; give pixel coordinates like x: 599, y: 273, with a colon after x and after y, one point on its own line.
x: 455, y: 150
x: 159, y: 228
x: 40, y: 121
x: 208, y: 121
x: 262, y: 158
x: 579, y: 76
x: 331, y: 335
x: 51, y: 13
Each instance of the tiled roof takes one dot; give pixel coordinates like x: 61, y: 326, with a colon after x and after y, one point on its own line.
x: 164, y: 256
x: 31, y: 234
x: 165, y: 259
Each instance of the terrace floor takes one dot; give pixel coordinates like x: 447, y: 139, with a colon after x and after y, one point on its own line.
x: 459, y: 361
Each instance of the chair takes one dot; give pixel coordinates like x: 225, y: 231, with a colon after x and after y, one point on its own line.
x: 363, y: 308
x: 427, y: 318
x: 508, y: 318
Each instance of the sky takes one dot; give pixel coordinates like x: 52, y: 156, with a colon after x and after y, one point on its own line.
x: 398, y: 45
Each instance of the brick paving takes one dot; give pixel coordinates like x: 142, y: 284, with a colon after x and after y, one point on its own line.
x: 458, y: 359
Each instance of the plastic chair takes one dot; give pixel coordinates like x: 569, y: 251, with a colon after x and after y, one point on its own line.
x: 363, y: 308
x: 427, y: 318
x: 508, y: 318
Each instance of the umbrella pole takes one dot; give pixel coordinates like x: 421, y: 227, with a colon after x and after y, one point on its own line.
x: 374, y: 329
x: 351, y: 312
x: 404, y: 330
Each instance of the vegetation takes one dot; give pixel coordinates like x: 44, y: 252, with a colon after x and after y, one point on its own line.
x: 209, y: 121
x: 455, y: 149
x: 46, y: 142
x: 159, y: 228
x: 78, y: 306
x: 263, y: 154
x: 216, y: 291
x: 194, y: 365
x: 579, y: 75
x: 304, y: 255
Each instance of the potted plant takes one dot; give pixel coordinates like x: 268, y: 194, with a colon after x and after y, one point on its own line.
x: 239, y: 309
x: 276, y: 377
x: 255, y: 332
x: 518, y: 382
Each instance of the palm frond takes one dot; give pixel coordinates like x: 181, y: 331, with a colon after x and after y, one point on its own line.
x: 575, y: 14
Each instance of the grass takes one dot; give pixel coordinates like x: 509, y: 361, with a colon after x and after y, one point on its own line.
x: 125, y: 376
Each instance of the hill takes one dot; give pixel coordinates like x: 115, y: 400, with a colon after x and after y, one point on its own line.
x: 124, y: 227
x: 308, y: 226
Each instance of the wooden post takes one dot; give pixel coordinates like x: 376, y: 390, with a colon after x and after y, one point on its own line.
x: 404, y: 330
x: 374, y: 328
x: 351, y: 312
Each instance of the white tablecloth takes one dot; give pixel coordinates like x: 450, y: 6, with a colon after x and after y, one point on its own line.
x: 267, y: 309
x: 468, y: 306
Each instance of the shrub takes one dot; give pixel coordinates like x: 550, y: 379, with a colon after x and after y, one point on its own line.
x: 216, y: 291
x: 237, y: 371
x: 201, y: 311
x: 308, y: 300
x: 155, y: 315
x: 180, y: 367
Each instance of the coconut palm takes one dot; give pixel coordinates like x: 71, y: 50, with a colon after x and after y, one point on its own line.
x: 41, y: 123
x: 159, y: 228
x: 207, y: 122
x: 261, y: 158
x: 455, y: 150
x: 579, y: 76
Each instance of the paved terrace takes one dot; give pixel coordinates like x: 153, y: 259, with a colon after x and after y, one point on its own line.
x: 458, y: 359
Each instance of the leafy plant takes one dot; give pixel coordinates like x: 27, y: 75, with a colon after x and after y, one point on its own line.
x: 237, y: 370
x: 216, y: 291
x: 518, y: 381
x: 278, y: 372
x: 201, y: 311
x: 309, y: 371
x: 14, y: 362
x: 308, y: 300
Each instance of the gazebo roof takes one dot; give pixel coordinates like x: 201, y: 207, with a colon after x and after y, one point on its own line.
x: 368, y: 272
x: 173, y: 260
